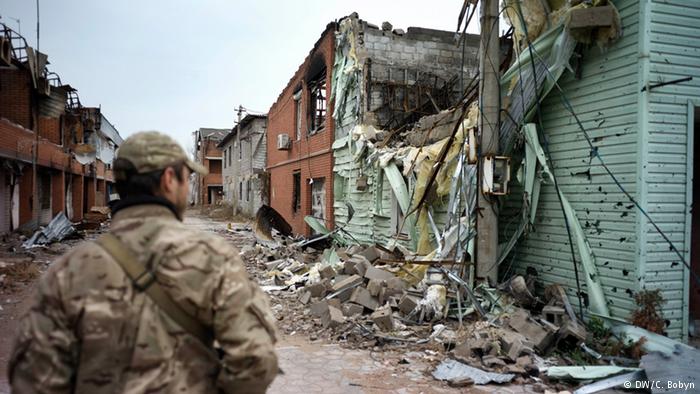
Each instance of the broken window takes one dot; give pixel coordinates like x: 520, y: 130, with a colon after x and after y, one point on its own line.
x: 240, y: 191
x: 214, y: 166
x: 296, y: 196
x: 317, y: 102
x: 297, y: 114
x: 247, y: 190
x: 230, y: 148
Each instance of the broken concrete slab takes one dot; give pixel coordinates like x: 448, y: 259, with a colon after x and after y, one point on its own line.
x: 346, y: 283
x: 382, y: 319
x: 327, y: 272
x: 374, y: 286
x: 373, y: 273
x: 320, y: 308
x: 305, y: 297
x: 363, y: 297
x: 351, y: 309
x: 554, y: 314
x: 571, y: 334
x: 407, y: 304
x: 371, y: 254
x: 333, y: 318
x: 318, y: 289
x: 538, y: 335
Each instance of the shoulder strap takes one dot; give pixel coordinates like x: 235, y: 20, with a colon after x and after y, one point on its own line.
x: 145, y: 280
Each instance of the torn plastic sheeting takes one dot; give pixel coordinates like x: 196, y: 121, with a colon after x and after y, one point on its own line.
x: 452, y: 370
x: 587, y: 372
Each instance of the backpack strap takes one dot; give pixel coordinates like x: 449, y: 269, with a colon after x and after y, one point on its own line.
x: 145, y: 280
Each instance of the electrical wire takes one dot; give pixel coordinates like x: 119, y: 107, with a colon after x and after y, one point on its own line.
x: 595, y: 153
x: 549, y: 156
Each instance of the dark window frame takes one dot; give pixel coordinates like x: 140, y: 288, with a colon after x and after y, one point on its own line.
x: 296, y: 192
x: 318, y: 102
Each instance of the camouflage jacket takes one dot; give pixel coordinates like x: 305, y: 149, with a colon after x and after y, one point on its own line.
x: 89, y: 330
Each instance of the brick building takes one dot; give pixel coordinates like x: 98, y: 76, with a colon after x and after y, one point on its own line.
x: 299, y: 138
x: 55, y: 155
x: 208, y: 189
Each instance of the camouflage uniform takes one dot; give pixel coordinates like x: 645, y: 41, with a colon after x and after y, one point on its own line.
x: 90, y: 331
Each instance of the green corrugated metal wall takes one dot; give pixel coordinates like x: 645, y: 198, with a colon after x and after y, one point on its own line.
x: 643, y: 139
x: 605, y: 99
x: 673, y: 42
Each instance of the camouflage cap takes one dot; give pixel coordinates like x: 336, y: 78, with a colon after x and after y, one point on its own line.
x: 152, y: 150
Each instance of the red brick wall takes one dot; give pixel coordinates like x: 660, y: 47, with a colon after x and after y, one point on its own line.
x: 312, y: 155
x: 209, y: 149
x: 58, y: 192
x: 50, y: 128
x: 15, y: 96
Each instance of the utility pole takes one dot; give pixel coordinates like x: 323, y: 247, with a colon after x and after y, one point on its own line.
x: 489, y: 97
x: 238, y: 161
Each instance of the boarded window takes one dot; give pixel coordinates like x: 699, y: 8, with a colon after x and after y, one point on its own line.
x: 296, y: 196
x: 317, y: 102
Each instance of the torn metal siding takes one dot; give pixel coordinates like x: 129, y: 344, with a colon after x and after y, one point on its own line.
x: 673, y: 42
x: 605, y: 99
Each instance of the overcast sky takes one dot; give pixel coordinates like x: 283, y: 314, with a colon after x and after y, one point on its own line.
x: 176, y: 65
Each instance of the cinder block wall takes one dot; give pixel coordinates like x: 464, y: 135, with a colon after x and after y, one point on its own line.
x: 311, y: 155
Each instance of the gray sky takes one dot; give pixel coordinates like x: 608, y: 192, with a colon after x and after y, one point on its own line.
x: 176, y: 65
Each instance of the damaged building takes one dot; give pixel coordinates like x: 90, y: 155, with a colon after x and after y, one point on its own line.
x: 244, y: 156
x: 383, y: 78
x: 55, y: 154
x: 595, y: 141
x: 208, y: 189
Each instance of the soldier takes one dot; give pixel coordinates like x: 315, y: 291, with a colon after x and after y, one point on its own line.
x: 153, y: 306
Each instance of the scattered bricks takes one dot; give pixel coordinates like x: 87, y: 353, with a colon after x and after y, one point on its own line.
x: 407, y: 304
x: 378, y: 274
x: 492, y: 361
x: 460, y: 381
x: 334, y: 302
x: 305, y: 297
x: 361, y: 296
x: 463, y: 351
x: 318, y: 289
x: 382, y: 319
x: 396, y: 283
x: 524, y: 361
x: 371, y: 254
x: 349, y: 267
x: 344, y: 295
x: 374, y: 286
x: 333, y: 318
x: 346, y: 283
x: 319, y: 309
x: 327, y: 272
x: 516, y: 369
x: 351, y: 309
x: 515, y: 345
x: 571, y: 334
x: 535, y: 333
x: 554, y: 314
